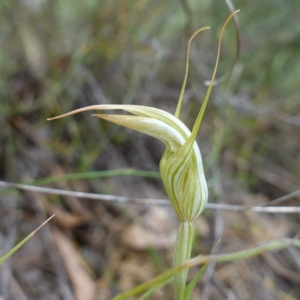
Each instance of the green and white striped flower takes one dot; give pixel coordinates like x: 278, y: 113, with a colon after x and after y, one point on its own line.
x: 181, y: 165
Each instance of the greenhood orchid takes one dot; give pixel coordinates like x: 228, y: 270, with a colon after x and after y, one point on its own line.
x: 181, y: 165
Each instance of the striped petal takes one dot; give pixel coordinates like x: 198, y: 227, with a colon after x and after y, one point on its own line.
x: 154, y: 122
x: 153, y: 127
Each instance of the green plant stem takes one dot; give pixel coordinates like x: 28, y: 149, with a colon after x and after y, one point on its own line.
x: 183, y: 249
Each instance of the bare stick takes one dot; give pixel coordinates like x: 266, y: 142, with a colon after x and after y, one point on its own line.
x: 120, y: 199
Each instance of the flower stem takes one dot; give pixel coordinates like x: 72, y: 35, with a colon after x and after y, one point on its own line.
x: 182, y: 255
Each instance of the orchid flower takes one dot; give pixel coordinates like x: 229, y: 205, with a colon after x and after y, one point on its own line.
x: 181, y: 165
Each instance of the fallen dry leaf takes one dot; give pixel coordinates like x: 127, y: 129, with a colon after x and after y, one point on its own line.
x: 83, y: 284
x: 67, y: 220
x: 139, y: 238
x: 151, y: 229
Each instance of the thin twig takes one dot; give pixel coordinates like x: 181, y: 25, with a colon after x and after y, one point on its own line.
x: 129, y: 200
x: 284, y: 198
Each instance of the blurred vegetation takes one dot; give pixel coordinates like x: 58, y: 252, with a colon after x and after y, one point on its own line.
x: 60, y: 55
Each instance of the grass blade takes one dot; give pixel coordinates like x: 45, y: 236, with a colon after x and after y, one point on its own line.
x: 155, y: 288
x: 274, y: 245
x: 98, y: 174
x: 12, y: 251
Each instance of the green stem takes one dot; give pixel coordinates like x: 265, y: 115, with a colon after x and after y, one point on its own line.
x: 182, y: 255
